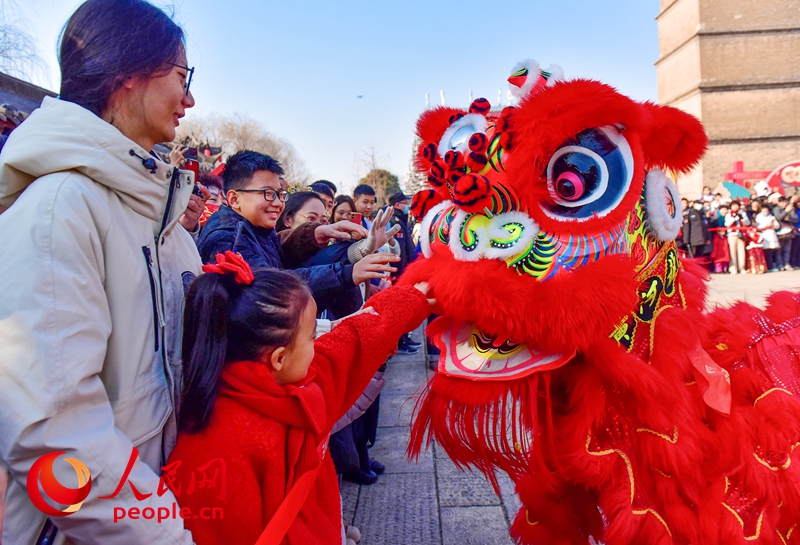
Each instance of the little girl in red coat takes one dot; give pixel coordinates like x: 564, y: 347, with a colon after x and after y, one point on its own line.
x: 260, y: 398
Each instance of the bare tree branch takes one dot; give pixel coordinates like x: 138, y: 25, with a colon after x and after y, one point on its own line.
x: 367, y: 160
x: 18, y: 54
x: 238, y: 132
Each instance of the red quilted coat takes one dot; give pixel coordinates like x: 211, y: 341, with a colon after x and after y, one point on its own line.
x: 262, y: 436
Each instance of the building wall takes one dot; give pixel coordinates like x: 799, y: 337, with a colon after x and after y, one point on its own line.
x: 735, y: 64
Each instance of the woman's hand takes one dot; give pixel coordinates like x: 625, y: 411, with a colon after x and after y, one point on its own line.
x: 378, y: 235
x: 374, y: 266
x: 340, y: 230
x: 176, y: 156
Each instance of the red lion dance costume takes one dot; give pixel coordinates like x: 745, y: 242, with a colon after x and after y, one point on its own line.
x: 576, y: 352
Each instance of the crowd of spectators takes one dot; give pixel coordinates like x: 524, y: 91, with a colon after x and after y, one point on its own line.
x: 753, y: 235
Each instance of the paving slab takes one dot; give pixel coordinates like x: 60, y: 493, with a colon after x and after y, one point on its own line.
x: 459, y: 488
x: 390, y: 450
x: 407, y: 378
x: 399, y: 509
x: 474, y: 526
x: 396, y: 410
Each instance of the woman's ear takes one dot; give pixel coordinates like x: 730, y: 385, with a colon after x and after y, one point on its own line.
x: 672, y: 140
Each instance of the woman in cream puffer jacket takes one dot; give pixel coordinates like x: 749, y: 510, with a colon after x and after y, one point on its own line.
x: 92, y: 266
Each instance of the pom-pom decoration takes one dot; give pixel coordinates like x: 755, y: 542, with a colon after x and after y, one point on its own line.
x: 478, y: 142
x: 428, y: 153
x: 423, y: 201
x: 478, y: 163
x: 454, y: 159
x: 480, y: 106
x: 472, y: 192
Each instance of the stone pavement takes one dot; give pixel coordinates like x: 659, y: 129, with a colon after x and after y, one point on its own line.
x: 432, y: 502
x: 726, y: 289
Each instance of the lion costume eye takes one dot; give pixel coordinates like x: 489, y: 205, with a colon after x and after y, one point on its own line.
x: 589, y: 175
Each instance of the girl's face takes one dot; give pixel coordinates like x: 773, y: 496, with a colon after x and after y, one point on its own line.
x: 290, y: 363
x: 343, y: 212
x: 312, y: 210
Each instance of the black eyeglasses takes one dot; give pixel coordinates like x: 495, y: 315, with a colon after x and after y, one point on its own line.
x: 269, y: 194
x: 189, y: 74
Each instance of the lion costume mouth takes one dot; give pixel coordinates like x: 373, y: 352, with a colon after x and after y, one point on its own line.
x: 467, y: 352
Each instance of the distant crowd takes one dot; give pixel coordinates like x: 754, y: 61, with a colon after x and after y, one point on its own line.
x: 756, y: 235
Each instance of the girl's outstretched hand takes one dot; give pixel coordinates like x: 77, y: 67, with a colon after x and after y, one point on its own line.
x: 365, y: 310
x: 424, y: 288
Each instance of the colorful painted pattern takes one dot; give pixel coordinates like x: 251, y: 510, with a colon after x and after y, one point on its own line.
x: 550, y: 254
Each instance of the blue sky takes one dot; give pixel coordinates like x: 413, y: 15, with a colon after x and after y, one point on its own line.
x: 298, y: 66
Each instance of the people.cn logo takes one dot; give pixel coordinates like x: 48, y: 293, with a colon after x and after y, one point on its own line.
x: 41, y: 474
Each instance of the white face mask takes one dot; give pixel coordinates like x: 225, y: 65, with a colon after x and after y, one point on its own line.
x: 698, y: 206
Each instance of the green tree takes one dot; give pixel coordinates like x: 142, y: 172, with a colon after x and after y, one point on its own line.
x: 383, y: 182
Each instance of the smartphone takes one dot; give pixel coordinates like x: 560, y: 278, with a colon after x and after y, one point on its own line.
x: 357, y: 218
x: 193, y: 166
x: 191, y: 153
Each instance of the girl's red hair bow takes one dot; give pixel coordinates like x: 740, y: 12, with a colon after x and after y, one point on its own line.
x: 231, y: 263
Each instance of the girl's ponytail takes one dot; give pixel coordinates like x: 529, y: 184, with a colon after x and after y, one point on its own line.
x: 205, y: 344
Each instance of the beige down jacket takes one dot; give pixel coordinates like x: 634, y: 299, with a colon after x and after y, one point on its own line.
x: 92, y: 264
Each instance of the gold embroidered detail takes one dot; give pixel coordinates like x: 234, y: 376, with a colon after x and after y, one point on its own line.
x: 629, y: 467
x: 722, y: 347
x: 673, y: 439
x: 661, y: 472
x: 741, y: 522
x: 785, y: 465
x: 528, y: 520
x: 771, y: 391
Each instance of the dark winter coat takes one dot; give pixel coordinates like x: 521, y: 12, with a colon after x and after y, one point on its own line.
x: 261, y: 247
x: 695, y: 228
